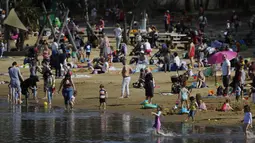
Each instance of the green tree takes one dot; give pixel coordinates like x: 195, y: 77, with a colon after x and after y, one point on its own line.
x: 28, y: 13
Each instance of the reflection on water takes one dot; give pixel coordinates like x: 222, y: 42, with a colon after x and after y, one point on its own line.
x: 39, y: 124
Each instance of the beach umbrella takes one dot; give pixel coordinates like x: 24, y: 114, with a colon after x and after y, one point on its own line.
x: 217, y: 58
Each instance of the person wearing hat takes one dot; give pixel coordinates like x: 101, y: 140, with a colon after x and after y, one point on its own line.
x: 167, y: 20
x: 200, y: 79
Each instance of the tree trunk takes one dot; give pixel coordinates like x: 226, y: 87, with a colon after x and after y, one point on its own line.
x: 20, y: 45
x: 125, y: 37
x: 131, y: 24
x: 246, y: 6
x: 207, y: 4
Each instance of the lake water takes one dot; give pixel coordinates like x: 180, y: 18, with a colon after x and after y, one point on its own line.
x: 19, y: 124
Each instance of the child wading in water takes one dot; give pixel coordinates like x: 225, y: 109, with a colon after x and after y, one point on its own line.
x: 192, y: 108
x: 102, y: 97
x: 157, y: 124
x: 247, y: 120
x: 50, y: 86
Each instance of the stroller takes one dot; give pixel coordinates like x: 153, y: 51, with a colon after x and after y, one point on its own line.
x: 158, y: 55
x: 178, y: 81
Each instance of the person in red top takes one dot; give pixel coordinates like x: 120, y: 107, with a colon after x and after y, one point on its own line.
x: 121, y: 16
x: 192, y: 54
x: 167, y: 20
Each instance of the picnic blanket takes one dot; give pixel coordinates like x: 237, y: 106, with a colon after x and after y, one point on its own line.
x: 115, y: 69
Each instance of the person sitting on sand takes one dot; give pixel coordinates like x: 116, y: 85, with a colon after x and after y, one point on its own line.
x: 226, y: 106
x: 101, y: 66
x: 200, y: 79
x: 201, y: 104
x: 157, y: 124
x: 189, y: 71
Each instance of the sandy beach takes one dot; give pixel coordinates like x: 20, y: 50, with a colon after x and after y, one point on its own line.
x: 88, y: 96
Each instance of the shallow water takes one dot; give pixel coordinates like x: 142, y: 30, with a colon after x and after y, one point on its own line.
x: 39, y: 124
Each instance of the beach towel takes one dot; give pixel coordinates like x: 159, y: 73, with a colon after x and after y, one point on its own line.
x: 166, y: 93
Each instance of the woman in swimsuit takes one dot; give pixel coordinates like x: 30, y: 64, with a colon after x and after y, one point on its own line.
x: 68, y: 90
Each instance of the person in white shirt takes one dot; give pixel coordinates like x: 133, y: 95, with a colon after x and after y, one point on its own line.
x: 147, y: 47
x: 54, y: 47
x: 118, y: 35
x: 226, y: 72
x: 177, y: 60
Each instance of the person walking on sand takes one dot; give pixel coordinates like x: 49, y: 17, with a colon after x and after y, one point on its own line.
x: 247, y: 121
x: 68, y: 90
x: 149, y: 85
x: 192, y: 109
x: 126, y: 79
x: 16, y: 79
x: 226, y: 72
x: 118, y: 35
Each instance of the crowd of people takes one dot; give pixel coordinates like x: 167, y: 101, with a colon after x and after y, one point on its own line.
x: 63, y: 58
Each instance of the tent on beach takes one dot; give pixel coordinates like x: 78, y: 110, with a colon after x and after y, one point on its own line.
x: 14, y: 21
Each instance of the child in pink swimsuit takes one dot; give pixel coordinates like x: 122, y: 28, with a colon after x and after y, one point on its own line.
x: 157, y: 124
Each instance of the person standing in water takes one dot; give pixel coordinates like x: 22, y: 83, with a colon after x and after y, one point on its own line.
x: 157, y: 124
x: 16, y: 79
x: 68, y: 90
x: 247, y: 121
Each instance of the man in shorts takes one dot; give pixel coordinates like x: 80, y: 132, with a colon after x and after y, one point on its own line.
x: 226, y: 72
